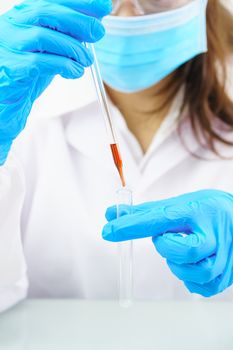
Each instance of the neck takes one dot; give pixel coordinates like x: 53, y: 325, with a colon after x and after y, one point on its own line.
x: 144, y: 111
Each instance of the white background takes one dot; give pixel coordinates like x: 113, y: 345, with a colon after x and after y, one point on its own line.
x: 64, y: 95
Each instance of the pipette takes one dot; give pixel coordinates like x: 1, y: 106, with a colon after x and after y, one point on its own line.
x: 95, y: 71
x: 124, y: 195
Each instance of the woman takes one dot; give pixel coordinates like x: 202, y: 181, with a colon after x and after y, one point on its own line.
x: 174, y: 121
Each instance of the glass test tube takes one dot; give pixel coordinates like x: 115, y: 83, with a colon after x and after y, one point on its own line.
x: 124, y: 198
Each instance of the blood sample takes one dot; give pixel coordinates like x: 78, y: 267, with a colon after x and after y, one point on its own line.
x: 118, y: 161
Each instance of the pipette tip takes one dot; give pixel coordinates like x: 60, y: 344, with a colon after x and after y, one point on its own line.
x: 118, y: 162
x: 120, y: 170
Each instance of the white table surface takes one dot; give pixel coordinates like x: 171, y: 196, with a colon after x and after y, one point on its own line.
x: 85, y: 325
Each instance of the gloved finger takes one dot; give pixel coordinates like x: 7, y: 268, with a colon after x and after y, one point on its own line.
x: 51, y: 65
x: 38, y: 39
x: 206, y: 290
x: 202, y: 272
x: 61, y: 19
x: 111, y: 212
x: 178, y: 201
x: 96, y: 8
x: 220, y: 283
x: 28, y: 66
x: 147, y: 223
x: 187, y: 200
x: 185, y: 248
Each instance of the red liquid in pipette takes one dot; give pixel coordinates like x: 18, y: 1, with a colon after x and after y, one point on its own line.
x: 118, y: 162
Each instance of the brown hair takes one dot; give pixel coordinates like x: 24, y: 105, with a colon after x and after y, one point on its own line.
x: 205, y: 79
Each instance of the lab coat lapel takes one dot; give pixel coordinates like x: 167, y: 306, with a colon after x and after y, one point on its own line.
x: 86, y: 132
x: 169, y: 154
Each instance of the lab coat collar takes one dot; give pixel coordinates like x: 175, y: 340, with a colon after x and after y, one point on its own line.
x: 169, y: 154
x: 86, y: 132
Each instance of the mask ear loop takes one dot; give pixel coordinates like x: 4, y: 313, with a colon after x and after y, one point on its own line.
x: 133, y: 5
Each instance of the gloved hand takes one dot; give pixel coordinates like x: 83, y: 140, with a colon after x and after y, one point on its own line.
x: 193, y: 232
x: 38, y: 40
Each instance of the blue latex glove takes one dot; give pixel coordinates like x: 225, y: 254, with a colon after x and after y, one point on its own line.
x: 38, y: 40
x: 193, y: 232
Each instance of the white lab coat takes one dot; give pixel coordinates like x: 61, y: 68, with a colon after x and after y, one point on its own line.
x: 55, y: 188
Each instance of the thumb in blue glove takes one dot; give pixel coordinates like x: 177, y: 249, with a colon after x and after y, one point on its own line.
x: 193, y: 232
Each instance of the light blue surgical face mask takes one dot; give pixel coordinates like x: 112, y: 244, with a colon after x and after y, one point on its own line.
x: 138, y: 52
